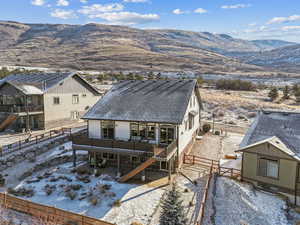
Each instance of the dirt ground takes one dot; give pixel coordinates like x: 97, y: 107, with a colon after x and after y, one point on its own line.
x: 215, y: 146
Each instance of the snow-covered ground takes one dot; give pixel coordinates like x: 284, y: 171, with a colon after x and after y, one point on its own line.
x: 239, y: 203
x: 137, y: 202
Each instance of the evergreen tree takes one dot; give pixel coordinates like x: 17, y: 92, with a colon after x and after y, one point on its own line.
x: 273, y: 94
x: 286, y: 92
x: 172, y: 209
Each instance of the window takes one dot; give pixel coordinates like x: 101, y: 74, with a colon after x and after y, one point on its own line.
x: 84, y: 95
x: 108, y: 129
x: 186, y: 123
x: 56, y: 100
x: 74, y: 115
x: 75, y: 99
x: 143, y: 131
x: 268, y: 168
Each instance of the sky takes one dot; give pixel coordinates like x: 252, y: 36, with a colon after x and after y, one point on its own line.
x: 247, y: 19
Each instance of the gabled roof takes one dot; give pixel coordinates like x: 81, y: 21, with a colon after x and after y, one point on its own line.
x: 282, y: 129
x: 162, y: 101
x: 39, y: 83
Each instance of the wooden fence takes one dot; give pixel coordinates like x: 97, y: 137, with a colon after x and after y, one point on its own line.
x: 32, y: 140
x: 204, y: 198
x: 215, y: 164
x: 47, y: 214
x: 214, y: 167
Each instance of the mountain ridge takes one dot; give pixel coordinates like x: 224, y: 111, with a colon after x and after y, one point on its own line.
x: 106, y: 47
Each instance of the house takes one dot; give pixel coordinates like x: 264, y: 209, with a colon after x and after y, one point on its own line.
x: 44, y: 100
x: 271, y: 152
x: 143, y: 124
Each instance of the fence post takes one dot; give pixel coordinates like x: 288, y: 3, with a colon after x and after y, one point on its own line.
x: 193, y: 159
x: 231, y: 172
x: 20, y: 145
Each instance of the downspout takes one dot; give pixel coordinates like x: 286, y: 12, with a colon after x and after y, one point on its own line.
x: 178, y: 162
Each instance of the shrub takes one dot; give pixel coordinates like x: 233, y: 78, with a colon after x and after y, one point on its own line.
x: 235, y: 85
x: 273, y: 94
x: 83, y: 170
x: 206, y: 128
x: 71, y: 194
x: 93, y: 200
x: 117, y: 203
x: 217, y: 132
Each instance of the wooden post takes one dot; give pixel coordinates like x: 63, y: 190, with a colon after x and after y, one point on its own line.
x: 193, y: 159
x: 36, y: 139
x: 231, y: 172
x: 20, y: 144
x: 119, y: 173
x: 74, y: 158
x: 170, y: 174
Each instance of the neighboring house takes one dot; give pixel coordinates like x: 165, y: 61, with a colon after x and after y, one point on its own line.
x: 271, y: 152
x: 44, y: 100
x: 140, y: 124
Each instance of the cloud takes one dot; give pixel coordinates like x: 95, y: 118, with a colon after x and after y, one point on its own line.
x: 135, y: 1
x: 63, y: 14
x: 200, y: 10
x: 237, y: 6
x: 179, y: 11
x: 38, y: 2
x: 279, y: 20
x: 62, y: 3
x: 127, y: 18
x: 84, y: 1
x: 95, y: 9
x: 252, y: 24
x: 290, y: 28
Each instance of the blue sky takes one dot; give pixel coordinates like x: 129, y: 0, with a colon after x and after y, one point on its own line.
x: 249, y: 19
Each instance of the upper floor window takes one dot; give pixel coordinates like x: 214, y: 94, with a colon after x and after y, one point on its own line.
x: 268, y: 168
x: 75, y: 99
x: 56, y: 100
x: 108, y: 129
x: 140, y: 131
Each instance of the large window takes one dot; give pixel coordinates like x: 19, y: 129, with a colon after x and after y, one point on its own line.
x: 75, y: 99
x: 142, y: 131
x: 108, y: 129
x: 268, y: 168
x: 191, y: 121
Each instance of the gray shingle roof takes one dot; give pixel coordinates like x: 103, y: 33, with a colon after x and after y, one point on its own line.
x: 37, y: 83
x: 163, y: 101
x: 283, y: 125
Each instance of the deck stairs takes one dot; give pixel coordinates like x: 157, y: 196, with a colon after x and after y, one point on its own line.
x: 8, y: 121
x: 140, y: 168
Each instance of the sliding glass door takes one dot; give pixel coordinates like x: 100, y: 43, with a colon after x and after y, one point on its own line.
x: 167, y: 134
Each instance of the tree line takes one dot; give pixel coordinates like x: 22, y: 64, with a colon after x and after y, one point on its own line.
x: 288, y: 91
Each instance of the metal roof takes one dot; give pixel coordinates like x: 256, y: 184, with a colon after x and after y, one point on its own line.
x: 162, y: 101
x: 39, y: 83
x: 283, y: 125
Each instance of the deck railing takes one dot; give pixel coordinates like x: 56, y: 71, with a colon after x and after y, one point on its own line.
x: 21, y: 108
x: 83, y: 139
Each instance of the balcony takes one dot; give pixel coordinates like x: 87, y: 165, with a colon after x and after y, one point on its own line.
x: 130, y: 147
x: 21, y: 108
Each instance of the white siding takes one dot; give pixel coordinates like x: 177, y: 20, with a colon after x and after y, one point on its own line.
x: 94, y: 129
x: 185, y: 136
x: 122, y: 130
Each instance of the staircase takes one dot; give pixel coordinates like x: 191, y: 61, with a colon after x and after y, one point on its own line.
x: 8, y: 121
x: 140, y: 168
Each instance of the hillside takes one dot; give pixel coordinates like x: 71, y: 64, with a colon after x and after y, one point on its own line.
x: 113, y: 48
x: 285, y: 58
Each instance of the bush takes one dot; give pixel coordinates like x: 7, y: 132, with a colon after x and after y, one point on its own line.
x: 93, y: 200
x: 239, y: 85
x: 206, y: 128
x: 217, y: 132
x: 117, y: 203
x: 71, y: 194
x: 83, y: 170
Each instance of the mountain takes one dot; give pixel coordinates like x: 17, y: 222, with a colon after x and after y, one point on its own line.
x: 285, y: 59
x: 271, y: 44
x: 114, y: 48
